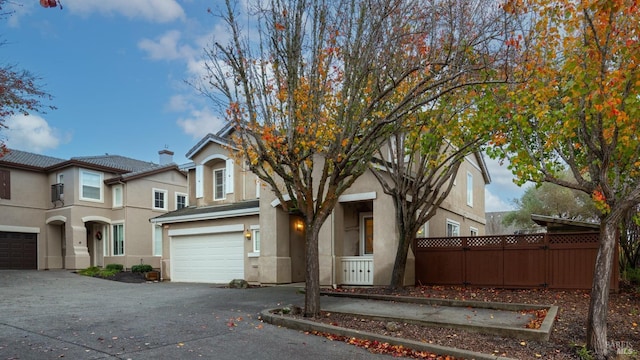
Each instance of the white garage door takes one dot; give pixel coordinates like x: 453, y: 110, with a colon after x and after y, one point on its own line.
x: 210, y: 258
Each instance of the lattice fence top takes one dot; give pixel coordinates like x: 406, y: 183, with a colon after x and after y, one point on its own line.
x: 484, y: 241
x: 508, y: 240
x: 574, y: 238
x: 438, y: 242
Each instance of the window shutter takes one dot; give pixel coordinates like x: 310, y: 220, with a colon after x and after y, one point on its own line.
x: 5, y: 184
x: 199, y: 182
x: 229, y: 173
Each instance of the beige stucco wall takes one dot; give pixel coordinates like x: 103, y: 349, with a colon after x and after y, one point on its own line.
x: 212, y: 157
x: 63, y: 239
x: 455, y: 206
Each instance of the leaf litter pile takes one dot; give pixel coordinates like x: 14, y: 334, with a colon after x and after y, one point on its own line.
x: 568, y: 333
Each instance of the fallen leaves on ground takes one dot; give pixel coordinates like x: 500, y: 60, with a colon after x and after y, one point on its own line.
x: 568, y: 330
x: 378, y: 347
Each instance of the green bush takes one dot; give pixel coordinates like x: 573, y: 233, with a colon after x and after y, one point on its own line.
x: 142, y: 268
x: 116, y: 267
x: 631, y: 275
x: 90, y: 271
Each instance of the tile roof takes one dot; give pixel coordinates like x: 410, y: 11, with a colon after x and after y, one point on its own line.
x: 30, y: 159
x: 117, y: 162
x: 205, y: 140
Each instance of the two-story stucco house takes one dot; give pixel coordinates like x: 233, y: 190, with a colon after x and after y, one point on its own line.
x: 86, y: 211
x: 235, y: 228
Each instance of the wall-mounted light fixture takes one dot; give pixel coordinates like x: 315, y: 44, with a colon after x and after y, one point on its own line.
x: 299, y: 225
x: 247, y: 234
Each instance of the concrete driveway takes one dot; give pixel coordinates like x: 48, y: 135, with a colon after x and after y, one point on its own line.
x: 58, y: 314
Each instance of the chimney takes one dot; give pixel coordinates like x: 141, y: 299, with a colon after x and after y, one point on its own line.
x: 166, y: 156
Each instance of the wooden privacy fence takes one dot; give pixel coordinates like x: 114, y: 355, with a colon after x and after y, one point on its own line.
x: 547, y: 260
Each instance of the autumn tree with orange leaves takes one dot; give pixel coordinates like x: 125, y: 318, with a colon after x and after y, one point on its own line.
x: 580, y: 110
x: 471, y: 48
x: 316, y: 87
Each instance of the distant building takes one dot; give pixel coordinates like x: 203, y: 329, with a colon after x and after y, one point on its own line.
x: 495, y: 225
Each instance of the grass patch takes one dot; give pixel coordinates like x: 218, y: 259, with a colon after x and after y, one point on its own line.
x: 95, y: 271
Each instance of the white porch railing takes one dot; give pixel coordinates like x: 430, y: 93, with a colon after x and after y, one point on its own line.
x: 356, y: 270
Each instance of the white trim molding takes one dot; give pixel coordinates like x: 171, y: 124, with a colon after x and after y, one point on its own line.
x: 358, y: 197
x: 207, y: 230
x: 20, y: 229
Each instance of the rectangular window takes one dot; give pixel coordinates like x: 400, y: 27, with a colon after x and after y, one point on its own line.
x: 61, y: 181
x: 90, y: 185
x: 218, y: 184
x: 469, y: 189
x: 453, y: 228
x: 5, y: 184
x: 366, y: 234
x: 157, y: 240
x: 473, y: 231
x: 118, y: 239
x: 159, y: 199
x: 181, y: 201
x: 117, y: 195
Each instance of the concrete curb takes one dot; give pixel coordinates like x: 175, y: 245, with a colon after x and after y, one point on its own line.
x: 541, y: 334
x: 441, y: 302
x: 306, y: 325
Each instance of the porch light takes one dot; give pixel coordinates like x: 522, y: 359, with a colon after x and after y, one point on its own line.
x: 299, y: 225
x: 247, y: 234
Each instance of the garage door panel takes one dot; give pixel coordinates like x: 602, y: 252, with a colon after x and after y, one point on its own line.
x: 18, y: 250
x: 212, y: 258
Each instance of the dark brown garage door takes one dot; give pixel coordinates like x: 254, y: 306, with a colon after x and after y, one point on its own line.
x: 18, y: 250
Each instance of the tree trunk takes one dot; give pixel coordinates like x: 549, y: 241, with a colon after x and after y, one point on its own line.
x: 397, y: 276
x: 598, y: 307
x: 312, y: 273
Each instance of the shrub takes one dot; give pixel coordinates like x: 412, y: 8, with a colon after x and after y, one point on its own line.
x: 142, y: 268
x: 90, y: 271
x: 108, y: 273
x: 633, y: 275
x: 116, y: 267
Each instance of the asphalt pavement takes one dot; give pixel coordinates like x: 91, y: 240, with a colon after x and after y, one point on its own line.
x: 62, y: 315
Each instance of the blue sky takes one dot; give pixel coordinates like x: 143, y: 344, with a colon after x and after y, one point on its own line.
x: 117, y: 71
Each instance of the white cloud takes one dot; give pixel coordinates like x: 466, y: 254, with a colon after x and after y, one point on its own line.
x: 178, y: 103
x: 495, y: 203
x: 200, y: 123
x: 499, y: 195
x: 151, y: 10
x: 167, y: 47
x: 31, y: 133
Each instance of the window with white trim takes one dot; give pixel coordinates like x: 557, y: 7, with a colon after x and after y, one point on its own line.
x: 61, y: 181
x: 469, y: 189
x: 117, y: 192
x: 181, y: 201
x: 219, y: 180
x: 90, y: 185
x: 159, y: 199
x: 117, y: 243
x: 473, y: 231
x: 453, y: 228
x: 157, y: 240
